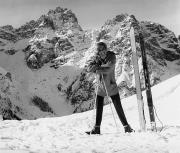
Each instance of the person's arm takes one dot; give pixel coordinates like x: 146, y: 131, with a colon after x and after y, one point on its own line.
x: 93, y: 68
x: 93, y: 65
x: 111, y: 60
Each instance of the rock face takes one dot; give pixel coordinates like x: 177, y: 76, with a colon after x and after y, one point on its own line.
x: 58, y: 33
x: 160, y: 43
x: 162, y: 50
x: 7, y: 33
x: 9, y: 108
x: 27, y: 30
x: 44, y: 43
x: 47, y: 58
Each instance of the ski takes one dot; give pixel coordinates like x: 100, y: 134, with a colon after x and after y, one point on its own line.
x: 147, y: 83
x: 137, y: 81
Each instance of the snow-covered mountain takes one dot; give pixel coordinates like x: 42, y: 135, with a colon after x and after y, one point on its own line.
x: 161, y: 45
x: 31, y: 53
x: 46, y: 59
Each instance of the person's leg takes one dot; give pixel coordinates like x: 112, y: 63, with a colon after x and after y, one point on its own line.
x: 117, y: 104
x: 99, y: 112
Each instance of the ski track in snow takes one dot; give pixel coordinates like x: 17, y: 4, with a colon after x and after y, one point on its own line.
x: 66, y: 134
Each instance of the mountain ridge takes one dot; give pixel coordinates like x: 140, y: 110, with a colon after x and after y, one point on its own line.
x: 47, y: 59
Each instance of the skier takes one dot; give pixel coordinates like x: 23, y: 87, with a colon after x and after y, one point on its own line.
x: 104, y: 66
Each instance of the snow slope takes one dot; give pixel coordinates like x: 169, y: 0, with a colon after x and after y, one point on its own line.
x: 66, y: 134
x: 40, y: 83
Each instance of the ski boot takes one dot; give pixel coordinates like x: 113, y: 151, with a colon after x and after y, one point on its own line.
x: 128, y: 129
x: 95, y: 130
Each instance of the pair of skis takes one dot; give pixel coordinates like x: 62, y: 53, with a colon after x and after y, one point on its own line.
x: 138, y: 84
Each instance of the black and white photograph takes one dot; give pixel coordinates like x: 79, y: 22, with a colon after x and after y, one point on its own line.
x: 89, y: 76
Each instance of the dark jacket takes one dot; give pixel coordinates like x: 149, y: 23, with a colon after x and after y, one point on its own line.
x: 106, y: 71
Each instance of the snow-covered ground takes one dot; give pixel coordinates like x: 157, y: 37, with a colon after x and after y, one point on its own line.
x: 66, y: 134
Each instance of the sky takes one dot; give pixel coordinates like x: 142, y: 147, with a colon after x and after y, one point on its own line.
x: 93, y: 13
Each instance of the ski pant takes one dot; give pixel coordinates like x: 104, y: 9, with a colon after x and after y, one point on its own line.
x: 117, y: 104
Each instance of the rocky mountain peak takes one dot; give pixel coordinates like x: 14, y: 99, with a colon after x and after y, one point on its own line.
x: 56, y: 48
x: 57, y: 10
x: 27, y: 30
x: 59, y: 18
x: 8, y: 27
x: 161, y: 45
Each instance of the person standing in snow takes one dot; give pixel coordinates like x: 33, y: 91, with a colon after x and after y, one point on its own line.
x: 104, y: 66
